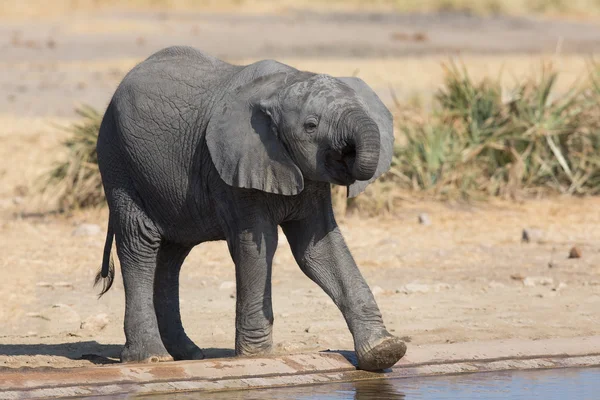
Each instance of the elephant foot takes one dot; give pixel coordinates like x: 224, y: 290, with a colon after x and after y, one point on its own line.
x: 253, y: 349
x: 144, y: 354
x: 382, y: 354
x: 251, y: 343
x: 185, y: 349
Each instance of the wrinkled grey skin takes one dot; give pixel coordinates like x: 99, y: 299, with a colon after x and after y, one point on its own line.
x: 192, y: 149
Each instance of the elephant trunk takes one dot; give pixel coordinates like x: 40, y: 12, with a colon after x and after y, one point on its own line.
x: 363, y: 138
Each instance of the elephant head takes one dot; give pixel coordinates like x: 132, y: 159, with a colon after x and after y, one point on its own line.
x: 277, y: 130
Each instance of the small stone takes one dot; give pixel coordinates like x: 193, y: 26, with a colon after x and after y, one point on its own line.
x: 227, y: 285
x: 437, y: 287
x: 67, y: 285
x: 496, y: 285
x: 95, y: 323
x: 530, y: 235
x: 232, y: 296
x: 87, y: 230
x: 377, y: 290
x: 575, y: 252
x: 424, y: 219
x: 284, y: 315
x: 517, y: 277
x: 560, y: 287
x: 532, y: 281
x: 37, y: 315
x: 44, y: 285
x: 412, y: 288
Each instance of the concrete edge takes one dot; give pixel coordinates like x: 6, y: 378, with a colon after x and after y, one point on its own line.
x: 294, y: 370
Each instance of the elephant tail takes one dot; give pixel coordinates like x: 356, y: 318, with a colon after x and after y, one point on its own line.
x: 107, y: 272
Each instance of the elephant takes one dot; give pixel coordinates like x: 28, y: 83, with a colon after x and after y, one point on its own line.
x: 193, y: 149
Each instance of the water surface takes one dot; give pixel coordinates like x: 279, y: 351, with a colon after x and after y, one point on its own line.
x: 571, y: 384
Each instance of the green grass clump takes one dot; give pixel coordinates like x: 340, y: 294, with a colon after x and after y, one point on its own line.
x: 481, y: 140
x: 75, y: 182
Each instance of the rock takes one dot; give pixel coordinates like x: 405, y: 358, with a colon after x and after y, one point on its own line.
x: 45, y: 285
x: 424, y: 219
x: 532, y: 281
x: 517, y: 277
x: 95, y: 323
x: 67, y: 285
x: 87, y: 230
x: 377, y: 290
x: 438, y: 287
x: 530, y: 235
x: 226, y: 285
x: 37, y: 315
x: 560, y: 287
x: 575, y: 252
x: 496, y: 285
x: 411, y: 288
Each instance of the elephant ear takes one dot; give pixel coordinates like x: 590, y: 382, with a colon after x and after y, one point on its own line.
x: 243, y: 142
x: 382, y: 116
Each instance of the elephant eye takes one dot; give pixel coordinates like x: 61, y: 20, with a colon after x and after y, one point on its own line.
x: 310, y: 126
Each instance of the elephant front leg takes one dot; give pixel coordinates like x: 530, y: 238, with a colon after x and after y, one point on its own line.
x: 252, y: 251
x: 323, y: 256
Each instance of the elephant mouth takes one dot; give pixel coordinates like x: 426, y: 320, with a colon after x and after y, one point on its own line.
x: 339, y: 166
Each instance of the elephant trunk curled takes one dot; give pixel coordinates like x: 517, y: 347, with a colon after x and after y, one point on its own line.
x: 362, y: 142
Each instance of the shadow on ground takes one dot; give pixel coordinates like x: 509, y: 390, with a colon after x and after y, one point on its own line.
x: 96, y: 353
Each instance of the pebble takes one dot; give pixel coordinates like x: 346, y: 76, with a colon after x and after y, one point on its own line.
x: 532, y: 281
x: 411, y: 288
x: 68, y: 285
x: 575, y: 252
x: 377, y: 290
x: 227, y: 285
x: 45, y: 285
x: 530, y: 235
x: 424, y: 219
x: 95, y: 323
x: 87, y: 230
x: 37, y: 315
x: 560, y: 287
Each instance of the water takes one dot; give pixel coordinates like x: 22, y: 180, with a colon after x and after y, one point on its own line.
x: 571, y: 384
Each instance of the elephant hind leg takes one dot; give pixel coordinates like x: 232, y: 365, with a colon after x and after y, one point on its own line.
x: 166, y: 302
x: 138, y: 241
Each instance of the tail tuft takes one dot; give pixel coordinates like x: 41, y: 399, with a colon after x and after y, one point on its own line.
x: 107, y: 280
x: 107, y: 272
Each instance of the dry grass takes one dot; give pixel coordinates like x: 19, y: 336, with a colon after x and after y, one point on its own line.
x: 76, y: 182
x: 483, y: 138
x: 577, y: 8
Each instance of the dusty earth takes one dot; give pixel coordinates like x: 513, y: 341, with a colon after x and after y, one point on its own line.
x: 466, y: 276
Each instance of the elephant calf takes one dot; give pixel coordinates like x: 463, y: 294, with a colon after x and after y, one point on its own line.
x: 193, y: 149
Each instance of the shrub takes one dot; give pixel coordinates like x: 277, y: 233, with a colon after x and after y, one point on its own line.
x: 75, y: 182
x: 481, y: 142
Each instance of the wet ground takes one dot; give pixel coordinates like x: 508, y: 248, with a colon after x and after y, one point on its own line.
x: 558, y: 384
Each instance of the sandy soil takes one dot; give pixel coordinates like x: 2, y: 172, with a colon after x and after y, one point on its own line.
x: 470, y: 259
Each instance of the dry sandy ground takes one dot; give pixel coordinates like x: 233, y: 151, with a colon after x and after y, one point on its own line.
x: 468, y: 258
x: 465, y: 258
